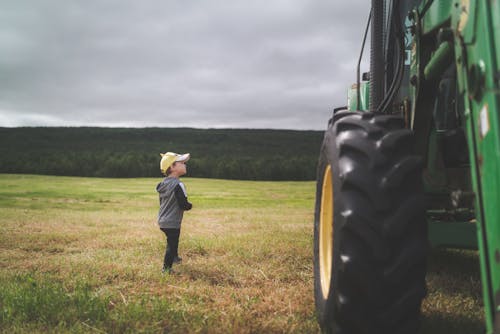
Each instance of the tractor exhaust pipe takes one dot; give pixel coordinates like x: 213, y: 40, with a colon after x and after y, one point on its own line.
x: 377, y: 63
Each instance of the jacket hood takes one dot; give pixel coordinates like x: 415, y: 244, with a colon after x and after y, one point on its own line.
x: 168, y: 184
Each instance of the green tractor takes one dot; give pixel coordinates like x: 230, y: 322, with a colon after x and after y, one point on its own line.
x: 411, y: 162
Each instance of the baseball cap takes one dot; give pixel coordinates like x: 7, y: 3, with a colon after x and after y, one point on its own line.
x: 167, y: 159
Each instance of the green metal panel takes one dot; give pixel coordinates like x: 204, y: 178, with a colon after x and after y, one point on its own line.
x: 476, y: 46
x: 495, y: 22
x: 478, y: 79
x: 436, y: 15
x: 456, y: 234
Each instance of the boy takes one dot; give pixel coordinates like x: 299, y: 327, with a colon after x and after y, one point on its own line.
x: 173, y: 203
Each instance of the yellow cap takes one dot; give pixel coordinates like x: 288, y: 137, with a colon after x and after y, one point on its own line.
x: 167, y: 159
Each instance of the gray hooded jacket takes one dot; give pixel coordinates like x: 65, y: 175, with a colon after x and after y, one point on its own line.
x: 173, y: 202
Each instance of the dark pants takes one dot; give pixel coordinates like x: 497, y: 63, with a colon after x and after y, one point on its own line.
x: 172, y: 245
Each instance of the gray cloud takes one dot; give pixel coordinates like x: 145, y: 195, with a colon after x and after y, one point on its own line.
x: 264, y: 64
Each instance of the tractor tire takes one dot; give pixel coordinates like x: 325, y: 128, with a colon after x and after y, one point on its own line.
x: 370, y: 230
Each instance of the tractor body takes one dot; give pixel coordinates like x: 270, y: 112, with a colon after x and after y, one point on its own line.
x: 435, y: 65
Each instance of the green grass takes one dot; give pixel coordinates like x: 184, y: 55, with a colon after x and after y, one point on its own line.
x: 84, y: 255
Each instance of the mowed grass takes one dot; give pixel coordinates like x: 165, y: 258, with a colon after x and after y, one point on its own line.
x: 85, y: 254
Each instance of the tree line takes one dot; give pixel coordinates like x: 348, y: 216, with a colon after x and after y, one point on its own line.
x: 245, y: 154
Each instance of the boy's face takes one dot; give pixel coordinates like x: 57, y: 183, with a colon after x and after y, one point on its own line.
x: 178, y: 168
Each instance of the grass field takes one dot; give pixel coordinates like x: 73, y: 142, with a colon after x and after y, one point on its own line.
x: 85, y: 255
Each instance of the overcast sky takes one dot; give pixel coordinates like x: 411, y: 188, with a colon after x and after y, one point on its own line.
x: 205, y: 64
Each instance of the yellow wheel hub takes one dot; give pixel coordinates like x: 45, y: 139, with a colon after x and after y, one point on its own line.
x: 326, y: 232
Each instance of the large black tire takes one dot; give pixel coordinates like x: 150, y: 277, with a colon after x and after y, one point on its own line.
x: 370, y: 232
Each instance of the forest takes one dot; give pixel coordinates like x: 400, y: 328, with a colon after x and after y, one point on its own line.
x: 244, y: 154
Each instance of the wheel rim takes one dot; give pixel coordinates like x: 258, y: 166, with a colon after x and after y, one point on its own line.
x: 326, y: 232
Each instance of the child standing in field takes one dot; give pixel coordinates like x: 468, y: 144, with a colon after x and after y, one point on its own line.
x: 173, y: 203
